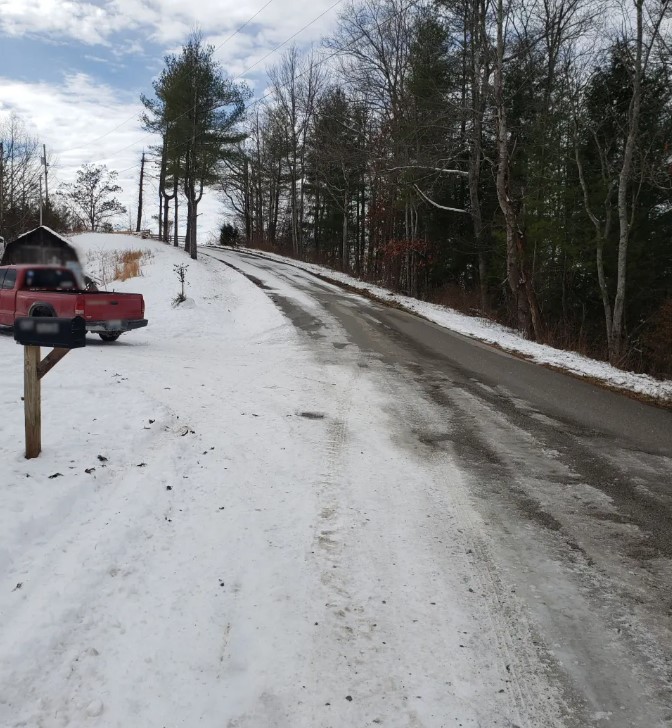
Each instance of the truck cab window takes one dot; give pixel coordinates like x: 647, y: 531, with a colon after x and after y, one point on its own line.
x: 50, y: 279
x: 9, y: 279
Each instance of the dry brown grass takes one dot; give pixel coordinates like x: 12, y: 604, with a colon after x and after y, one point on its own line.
x: 116, y: 265
x: 128, y: 264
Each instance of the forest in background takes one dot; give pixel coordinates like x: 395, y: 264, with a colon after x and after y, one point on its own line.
x: 508, y: 159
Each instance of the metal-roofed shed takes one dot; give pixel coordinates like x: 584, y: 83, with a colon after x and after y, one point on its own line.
x: 41, y: 246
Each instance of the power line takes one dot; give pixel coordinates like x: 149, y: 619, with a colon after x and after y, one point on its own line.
x: 128, y: 169
x: 338, y: 52
x: 311, y: 68
x: 291, y: 37
x: 240, y: 76
x: 134, y: 116
x: 102, y: 136
x: 354, y: 41
x: 244, y: 25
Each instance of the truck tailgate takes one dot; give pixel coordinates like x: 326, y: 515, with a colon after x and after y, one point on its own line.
x: 102, y: 306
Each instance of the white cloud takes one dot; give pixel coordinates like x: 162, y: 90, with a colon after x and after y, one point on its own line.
x: 166, y: 22
x: 82, y: 21
x: 78, y: 122
x: 83, y: 120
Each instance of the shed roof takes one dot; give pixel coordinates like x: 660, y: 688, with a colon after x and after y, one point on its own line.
x: 40, y: 245
x: 48, y: 230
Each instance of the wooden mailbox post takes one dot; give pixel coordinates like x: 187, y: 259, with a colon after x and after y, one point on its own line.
x: 62, y: 334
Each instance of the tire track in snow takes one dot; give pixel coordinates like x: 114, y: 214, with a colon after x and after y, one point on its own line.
x: 528, y: 693
x: 522, y: 655
x: 529, y: 467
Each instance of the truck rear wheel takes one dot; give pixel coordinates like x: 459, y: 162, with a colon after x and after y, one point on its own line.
x: 110, y: 336
x: 42, y: 312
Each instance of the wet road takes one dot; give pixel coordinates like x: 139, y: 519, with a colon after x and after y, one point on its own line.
x: 573, y: 481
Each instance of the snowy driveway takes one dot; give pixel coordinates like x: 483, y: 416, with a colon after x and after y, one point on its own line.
x: 307, y: 514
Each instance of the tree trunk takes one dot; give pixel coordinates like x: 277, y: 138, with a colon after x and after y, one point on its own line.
x: 176, y: 241
x: 317, y: 223
x: 192, y: 218
x: 295, y: 209
x: 142, y: 177
x: 166, y: 210
x: 164, y: 206
x: 475, y: 211
x: 617, y: 333
x: 530, y: 293
x: 189, y: 194
x: 362, y: 253
x: 601, y: 235
x: 247, y: 201
x: 273, y: 233
x: 528, y: 317
x: 345, y: 251
x: 479, y: 77
x: 160, y: 216
x: 193, y: 249
x: 512, y: 268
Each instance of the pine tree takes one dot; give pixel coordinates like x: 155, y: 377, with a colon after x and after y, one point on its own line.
x: 197, y: 109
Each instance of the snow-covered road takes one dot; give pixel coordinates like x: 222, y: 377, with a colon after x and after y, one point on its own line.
x: 262, y: 517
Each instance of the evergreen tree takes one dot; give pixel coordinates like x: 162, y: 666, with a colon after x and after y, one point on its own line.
x: 198, y: 110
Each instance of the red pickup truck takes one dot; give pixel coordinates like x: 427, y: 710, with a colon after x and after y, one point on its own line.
x: 48, y: 290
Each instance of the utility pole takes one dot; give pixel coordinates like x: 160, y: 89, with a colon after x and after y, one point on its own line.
x: 40, y: 200
x: 142, y: 176
x: 46, y: 174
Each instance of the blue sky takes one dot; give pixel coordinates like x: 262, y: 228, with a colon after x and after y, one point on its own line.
x: 73, y: 70
x: 38, y: 58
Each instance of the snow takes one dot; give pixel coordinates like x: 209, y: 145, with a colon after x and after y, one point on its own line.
x: 506, y: 338
x: 49, y: 230
x: 222, y: 530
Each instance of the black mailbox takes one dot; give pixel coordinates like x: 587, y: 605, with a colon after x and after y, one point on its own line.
x: 61, y: 333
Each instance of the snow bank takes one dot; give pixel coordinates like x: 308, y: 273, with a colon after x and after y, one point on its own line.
x: 506, y: 338
x: 127, y: 552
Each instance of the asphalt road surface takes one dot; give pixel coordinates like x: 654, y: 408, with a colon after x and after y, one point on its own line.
x: 573, y: 481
